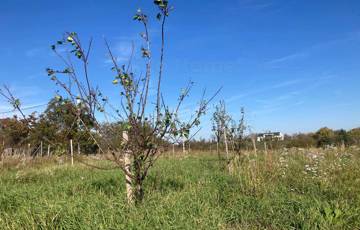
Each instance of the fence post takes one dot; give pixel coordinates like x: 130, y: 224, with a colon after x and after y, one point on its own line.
x: 48, y: 151
x: 72, y: 152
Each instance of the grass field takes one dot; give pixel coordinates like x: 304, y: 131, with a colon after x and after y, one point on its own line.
x: 284, y: 190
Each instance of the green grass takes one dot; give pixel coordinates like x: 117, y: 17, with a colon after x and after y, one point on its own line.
x: 284, y: 191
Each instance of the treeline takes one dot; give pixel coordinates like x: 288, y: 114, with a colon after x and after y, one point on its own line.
x: 59, y: 124
x: 323, y: 138
x: 54, y: 128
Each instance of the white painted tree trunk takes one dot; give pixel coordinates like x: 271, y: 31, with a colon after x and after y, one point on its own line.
x: 254, y: 145
x: 229, y: 165
x: 72, y: 152
x: 265, y: 148
x: 128, y: 179
x: 226, y: 145
x: 342, y: 145
x: 41, y: 148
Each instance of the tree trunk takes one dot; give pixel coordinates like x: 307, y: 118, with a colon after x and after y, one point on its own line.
x: 254, y: 144
x: 342, y: 145
x: 265, y: 148
x: 72, y: 152
x: 218, y: 150
x: 78, y: 148
x: 41, y: 149
x: 2, y: 149
x: 227, y: 151
x: 226, y: 145
x: 128, y: 179
x: 28, y: 150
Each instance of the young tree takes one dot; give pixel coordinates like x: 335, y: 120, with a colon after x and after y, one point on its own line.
x: 221, y: 122
x: 238, y: 133
x: 144, y: 131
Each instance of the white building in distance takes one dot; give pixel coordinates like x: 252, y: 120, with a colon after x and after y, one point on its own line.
x: 270, y: 136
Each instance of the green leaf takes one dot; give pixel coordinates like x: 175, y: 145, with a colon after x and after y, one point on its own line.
x: 17, y: 103
x: 115, y: 82
x: 78, y: 54
x: 158, y: 16
x: 70, y: 39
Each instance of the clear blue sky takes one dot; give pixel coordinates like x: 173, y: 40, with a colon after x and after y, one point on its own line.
x: 293, y: 64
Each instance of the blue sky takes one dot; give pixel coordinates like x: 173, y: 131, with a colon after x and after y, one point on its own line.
x: 293, y: 64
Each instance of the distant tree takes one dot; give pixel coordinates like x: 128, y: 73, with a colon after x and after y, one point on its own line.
x: 221, y: 125
x: 342, y: 137
x: 300, y: 140
x: 354, y: 136
x: 15, y: 131
x: 324, y: 137
x: 64, y: 116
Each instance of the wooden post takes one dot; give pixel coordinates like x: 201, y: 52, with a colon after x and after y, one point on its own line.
x: 72, y: 152
x: 173, y: 149
x: 48, y: 151
x: 189, y: 146
x: 183, y: 146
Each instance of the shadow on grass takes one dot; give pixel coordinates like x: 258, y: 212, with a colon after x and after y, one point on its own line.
x: 164, y: 185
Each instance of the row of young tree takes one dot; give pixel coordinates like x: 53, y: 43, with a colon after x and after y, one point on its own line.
x: 59, y: 123
x: 323, y: 138
x: 234, y: 136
